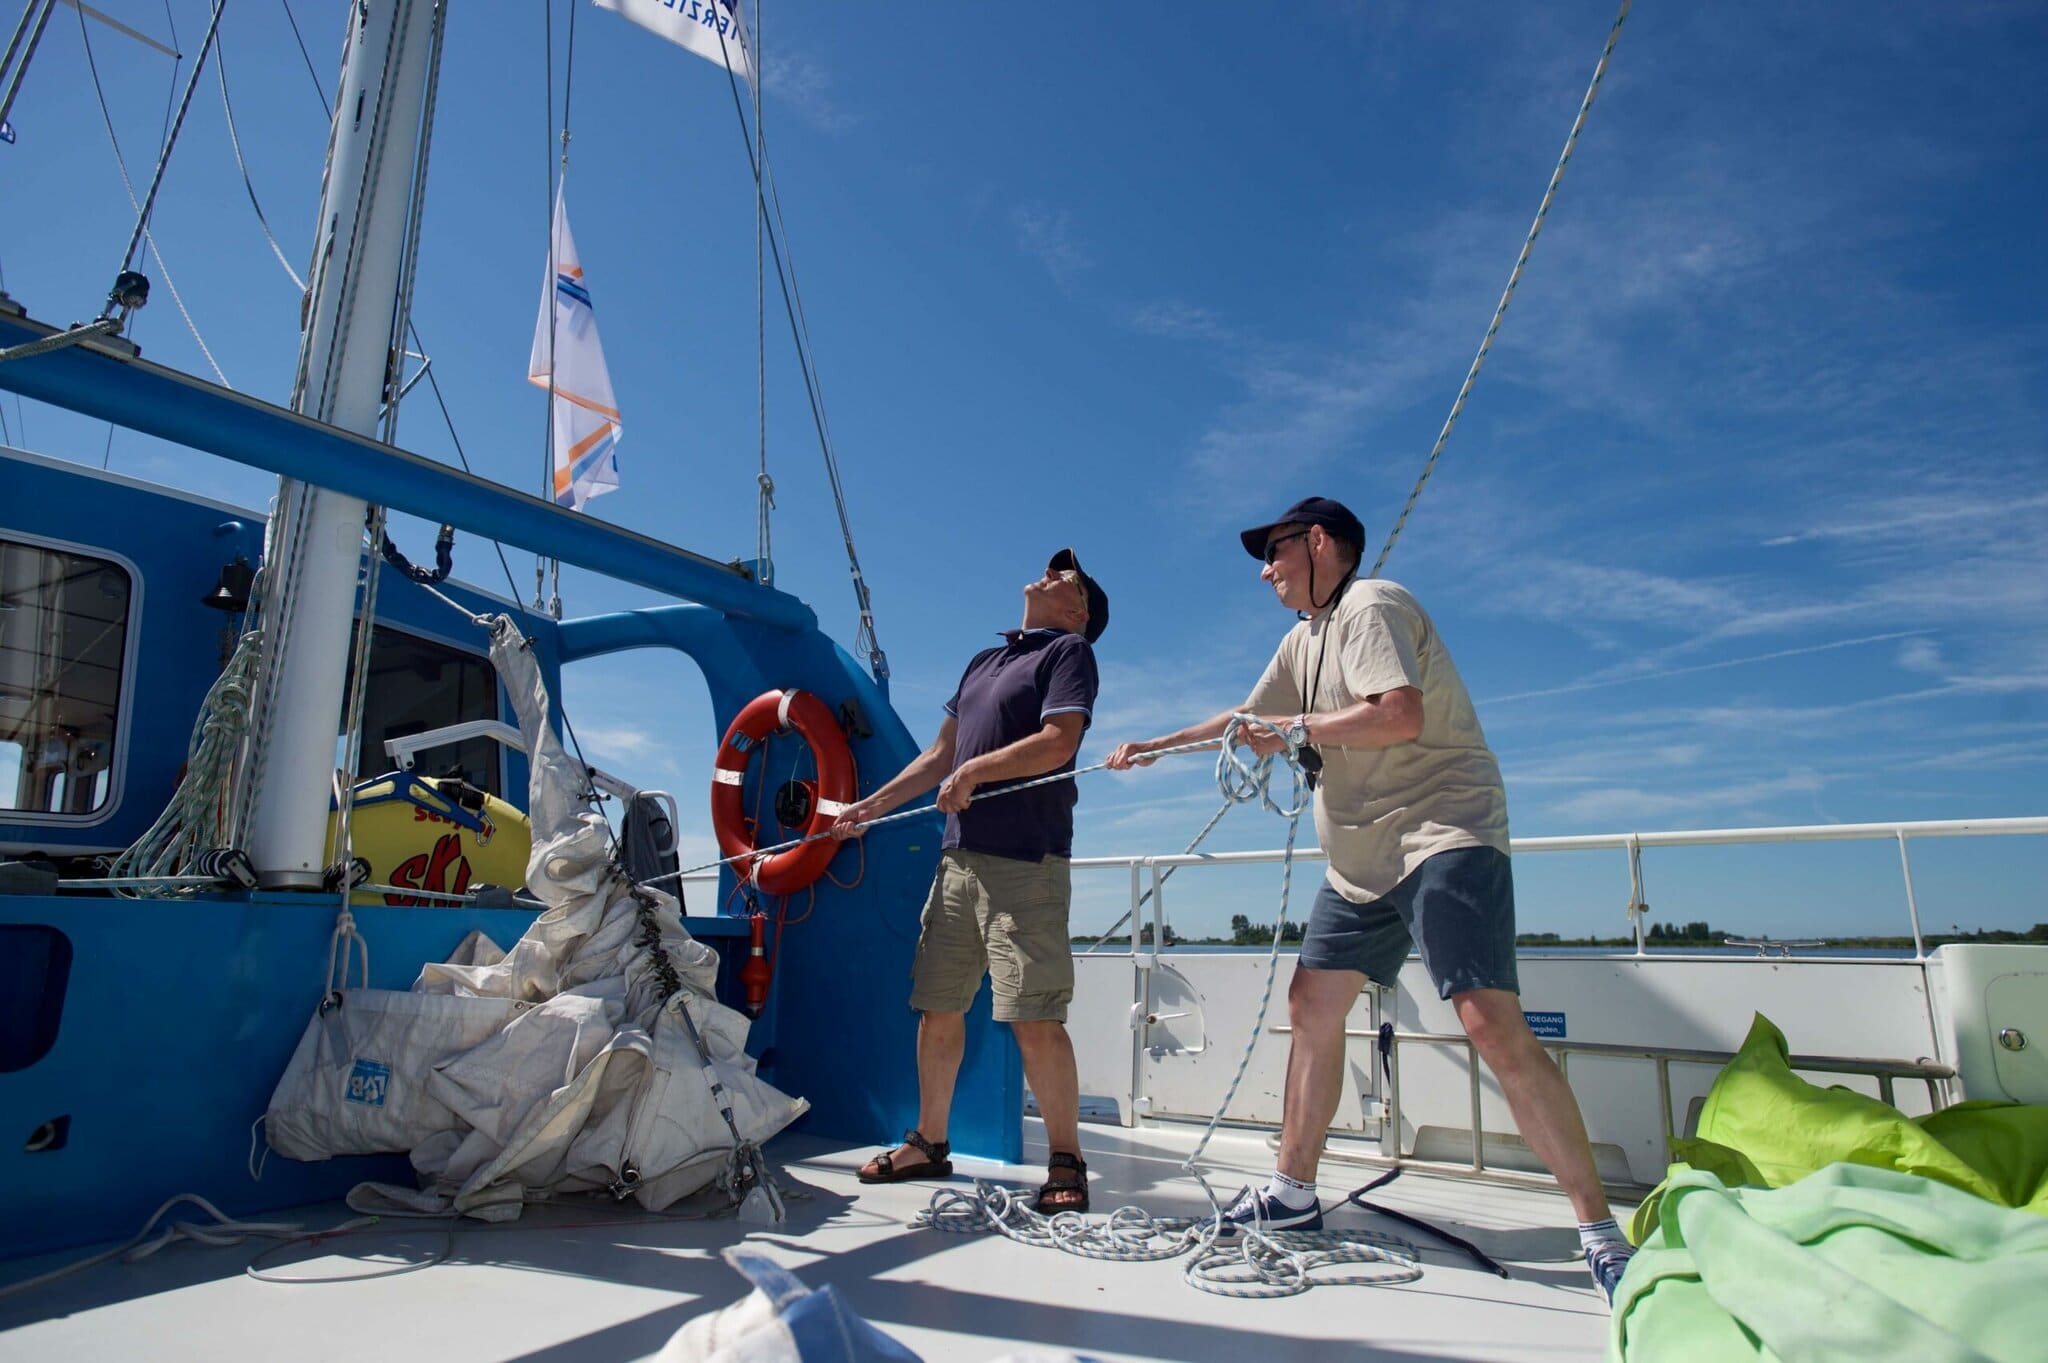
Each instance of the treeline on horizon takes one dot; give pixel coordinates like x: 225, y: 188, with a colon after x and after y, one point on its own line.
x: 1245, y: 933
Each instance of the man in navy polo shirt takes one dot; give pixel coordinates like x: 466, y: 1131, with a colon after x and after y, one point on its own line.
x: 999, y: 900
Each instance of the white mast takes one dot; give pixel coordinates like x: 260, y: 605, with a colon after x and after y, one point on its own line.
x: 346, y: 368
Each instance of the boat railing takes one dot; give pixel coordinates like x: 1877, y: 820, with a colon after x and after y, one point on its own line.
x: 1631, y: 845
x: 1147, y: 876
x: 1884, y: 1071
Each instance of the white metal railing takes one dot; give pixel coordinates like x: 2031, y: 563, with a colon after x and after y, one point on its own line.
x: 1884, y: 1071
x: 1631, y: 844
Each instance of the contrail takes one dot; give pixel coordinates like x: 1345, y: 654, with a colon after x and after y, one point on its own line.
x: 1709, y: 667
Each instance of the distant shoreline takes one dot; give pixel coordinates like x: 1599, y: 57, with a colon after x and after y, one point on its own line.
x: 2037, y: 935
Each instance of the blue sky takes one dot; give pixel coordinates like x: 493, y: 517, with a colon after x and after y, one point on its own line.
x: 1744, y: 524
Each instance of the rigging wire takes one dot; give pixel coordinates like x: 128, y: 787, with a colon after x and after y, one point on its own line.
x: 35, y: 38
x: 163, y: 134
x: 220, y: 69
x: 156, y: 179
x: 547, y: 468
x: 318, y: 89
x: 785, y: 275
x: 762, y: 480
x: 568, y: 94
x: 142, y: 218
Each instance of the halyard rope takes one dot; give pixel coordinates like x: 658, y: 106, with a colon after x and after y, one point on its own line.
x: 762, y: 853
x: 1514, y: 278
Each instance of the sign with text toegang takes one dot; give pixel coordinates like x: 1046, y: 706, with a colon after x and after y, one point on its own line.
x: 1549, y: 1026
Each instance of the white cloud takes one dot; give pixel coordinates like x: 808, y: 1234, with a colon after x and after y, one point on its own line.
x: 1048, y: 237
x: 805, y: 84
x: 1921, y: 655
x: 1634, y: 807
x: 1600, y: 683
x: 1905, y: 517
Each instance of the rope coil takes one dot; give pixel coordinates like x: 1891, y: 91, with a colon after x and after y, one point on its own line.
x: 1249, y: 1263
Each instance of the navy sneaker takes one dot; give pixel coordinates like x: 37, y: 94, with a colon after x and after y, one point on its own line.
x: 1607, y: 1262
x: 1257, y: 1208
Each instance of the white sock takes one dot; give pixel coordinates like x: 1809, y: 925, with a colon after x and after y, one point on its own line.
x: 1293, y: 1194
x: 1593, y: 1233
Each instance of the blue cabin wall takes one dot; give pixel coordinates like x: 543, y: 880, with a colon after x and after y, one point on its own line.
x: 179, y: 1016
x: 174, y: 546
x: 178, y: 1019
x: 838, y: 1028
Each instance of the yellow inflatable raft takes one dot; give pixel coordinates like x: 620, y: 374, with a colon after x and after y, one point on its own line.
x: 444, y: 836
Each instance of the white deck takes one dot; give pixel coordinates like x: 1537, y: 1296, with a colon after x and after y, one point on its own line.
x: 577, y: 1283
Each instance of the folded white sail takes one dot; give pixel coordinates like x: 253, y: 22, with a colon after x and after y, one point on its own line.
x: 564, y: 1065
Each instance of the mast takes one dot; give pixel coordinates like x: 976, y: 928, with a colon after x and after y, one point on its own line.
x: 347, y: 367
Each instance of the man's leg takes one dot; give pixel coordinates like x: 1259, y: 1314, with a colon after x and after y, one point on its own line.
x: 1031, y: 978
x: 941, y: 1041
x: 1317, y: 1002
x: 944, y: 974
x: 1049, y: 1068
x: 1544, y: 1109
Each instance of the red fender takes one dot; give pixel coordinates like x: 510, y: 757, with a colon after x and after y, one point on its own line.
x: 773, y: 712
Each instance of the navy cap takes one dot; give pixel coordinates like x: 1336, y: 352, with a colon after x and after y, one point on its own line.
x: 1098, y: 599
x: 1333, y: 516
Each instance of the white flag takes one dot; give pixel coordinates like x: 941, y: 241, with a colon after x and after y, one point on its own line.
x: 586, y: 415
x: 713, y: 29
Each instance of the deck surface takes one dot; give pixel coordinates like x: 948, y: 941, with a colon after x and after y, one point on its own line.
x: 578, y: 1282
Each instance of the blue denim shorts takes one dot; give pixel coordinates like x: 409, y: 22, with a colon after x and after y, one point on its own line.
x: 1458, y: 907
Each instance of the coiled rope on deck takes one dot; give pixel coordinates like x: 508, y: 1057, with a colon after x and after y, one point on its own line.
x: 1246, y: 1261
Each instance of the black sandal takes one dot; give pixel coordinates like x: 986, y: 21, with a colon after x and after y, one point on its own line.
x: 934, y: 1165
x: 1061, y: 1194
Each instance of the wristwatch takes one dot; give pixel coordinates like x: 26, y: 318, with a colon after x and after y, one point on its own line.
x: 1297, y: 732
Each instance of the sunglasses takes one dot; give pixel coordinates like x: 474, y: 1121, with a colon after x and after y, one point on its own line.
x: 1273, y: 546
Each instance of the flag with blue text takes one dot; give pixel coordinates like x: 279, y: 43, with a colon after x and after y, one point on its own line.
x: 566, y: 349
x: 713, y: 29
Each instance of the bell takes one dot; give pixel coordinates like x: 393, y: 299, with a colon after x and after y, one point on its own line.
x: 231, y: 593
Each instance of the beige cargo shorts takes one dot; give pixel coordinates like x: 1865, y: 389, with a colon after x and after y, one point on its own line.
x: 1003, y: 917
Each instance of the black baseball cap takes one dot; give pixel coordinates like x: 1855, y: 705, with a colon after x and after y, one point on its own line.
x: 1333, y: 516
x: 1098, y: 599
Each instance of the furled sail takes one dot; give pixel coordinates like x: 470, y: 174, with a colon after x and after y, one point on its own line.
x: 562, y: 1065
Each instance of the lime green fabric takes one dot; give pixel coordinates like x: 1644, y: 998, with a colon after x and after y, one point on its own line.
x: 2006, y: 1142
x: 1764, y: 1126
x: 1850, y: 1263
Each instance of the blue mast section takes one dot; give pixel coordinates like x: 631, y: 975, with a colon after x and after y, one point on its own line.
x: 141, y: 396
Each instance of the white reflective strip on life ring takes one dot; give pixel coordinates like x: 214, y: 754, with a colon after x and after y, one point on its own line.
x: 782, y: 709
x: 833, y: 807
x: 720, y: 776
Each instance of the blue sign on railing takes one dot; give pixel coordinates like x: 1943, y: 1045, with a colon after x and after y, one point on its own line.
x: 1547, y: 1025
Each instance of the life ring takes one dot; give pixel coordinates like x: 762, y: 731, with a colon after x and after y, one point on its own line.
x: 811, y: 805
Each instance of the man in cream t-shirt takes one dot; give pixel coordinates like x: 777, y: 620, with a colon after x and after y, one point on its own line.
x: 1410, y: 809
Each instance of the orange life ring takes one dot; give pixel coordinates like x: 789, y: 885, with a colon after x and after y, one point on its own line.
x: 771, y: 712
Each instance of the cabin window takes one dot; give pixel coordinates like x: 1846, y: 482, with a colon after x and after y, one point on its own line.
x: 415, y: 685
x: 63, y: 642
